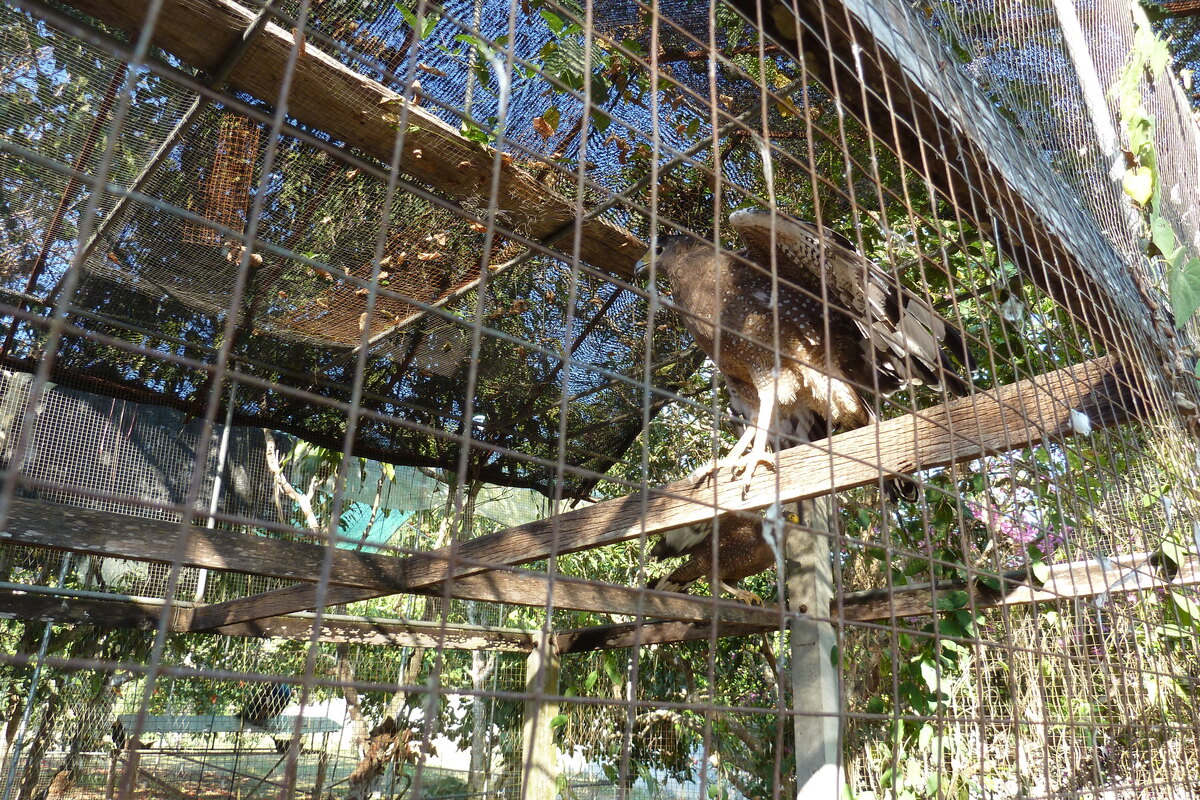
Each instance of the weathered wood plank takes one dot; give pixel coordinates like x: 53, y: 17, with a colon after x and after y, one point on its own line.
x: 102, y: 533
x: 514, y: 588
x: 1014, y: 416
x: 1017, y: 415
x: 1086, y: 578
x: 1074, y: 579
x: 334, y: 628
x: 330, y: 96
x: 86, y: 611
x: 539, y: 755
x: 608, y: 637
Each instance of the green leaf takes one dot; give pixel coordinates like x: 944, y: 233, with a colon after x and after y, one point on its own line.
x: 614, y: 675
x: 1174, y: 551
x: 558, y: 721
x: 925, y: 736
x: 949, y: 601
x: 1175, y: 631
x: 1184, y: 285
x: 555, y: 22
x: 1188, y: 608
x: 1158, y: 58
x: 990, y: 581
x: 1041, y: 572
x: 552, y: 116
x: 929, y: 674
x: 1140, y: 128
x: 1162, y: 234
x: 431, y: 21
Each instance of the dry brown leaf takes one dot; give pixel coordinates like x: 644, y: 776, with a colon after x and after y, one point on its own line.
x: 542, y: 127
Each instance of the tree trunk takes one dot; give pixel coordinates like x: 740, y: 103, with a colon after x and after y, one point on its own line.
x: 51, y: 709
x: 385, y: 745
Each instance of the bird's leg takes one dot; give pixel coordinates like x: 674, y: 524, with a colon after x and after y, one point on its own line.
x: 747, y: 597
x: 732, y: 459
x: 760, y: 433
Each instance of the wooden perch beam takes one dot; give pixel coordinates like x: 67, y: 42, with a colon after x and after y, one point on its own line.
x: 1075, y: 579
x: 330, y: 96
x: 102, y: 533
x: 1018, y: 415
x: 1087, y: 578
x: 334, y: 627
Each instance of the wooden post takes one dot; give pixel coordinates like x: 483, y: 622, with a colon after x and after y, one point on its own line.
x: 815, y: 691
x: 539, y: 756
x: 322, y: 767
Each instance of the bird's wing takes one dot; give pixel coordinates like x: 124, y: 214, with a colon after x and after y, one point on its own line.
x: 678, y: 541
x: 851, y: 281
x: 912, y: 340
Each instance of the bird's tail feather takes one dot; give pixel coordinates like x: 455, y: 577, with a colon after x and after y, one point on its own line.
x: 901, y: 489
x: 666, y: 584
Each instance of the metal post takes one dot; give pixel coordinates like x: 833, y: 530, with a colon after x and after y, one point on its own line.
x: 35, y: 680
x: 816, y: 698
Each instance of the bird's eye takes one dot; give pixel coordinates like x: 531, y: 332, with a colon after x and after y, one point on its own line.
x: 658, y: 251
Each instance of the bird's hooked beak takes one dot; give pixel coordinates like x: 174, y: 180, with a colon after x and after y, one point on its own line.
x: 642, y: 268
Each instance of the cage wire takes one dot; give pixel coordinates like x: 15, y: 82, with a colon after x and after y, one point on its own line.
x: 355, y: 393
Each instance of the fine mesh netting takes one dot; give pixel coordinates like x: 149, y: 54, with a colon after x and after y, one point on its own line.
x: 372, y: 373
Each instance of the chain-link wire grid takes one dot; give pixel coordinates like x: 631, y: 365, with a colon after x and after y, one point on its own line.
x: 311, y: 305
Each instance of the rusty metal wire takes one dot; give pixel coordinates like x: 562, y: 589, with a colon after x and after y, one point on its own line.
x: 366, y: 390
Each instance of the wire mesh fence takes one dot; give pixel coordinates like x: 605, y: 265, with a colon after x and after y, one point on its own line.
x: 451, y: 399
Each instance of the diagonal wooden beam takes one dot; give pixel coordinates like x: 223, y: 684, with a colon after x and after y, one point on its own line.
x: 328, y: 95
x: 105, y: 534
x: 1076, y: 579
x: 1014, y: 416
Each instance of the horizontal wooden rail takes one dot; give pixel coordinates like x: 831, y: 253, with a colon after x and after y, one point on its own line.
x: 128, y: 613
x: 105, y: 534
x: 1076, y: 579
x: 1132, y: 572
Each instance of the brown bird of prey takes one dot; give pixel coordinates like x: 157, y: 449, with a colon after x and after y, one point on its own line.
x: 743, y: 550
x: 865, y: 337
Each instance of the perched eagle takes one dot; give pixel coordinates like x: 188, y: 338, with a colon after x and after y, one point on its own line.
x: 266, y: 703
x: 743, y: 551
x: 872, y: 340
